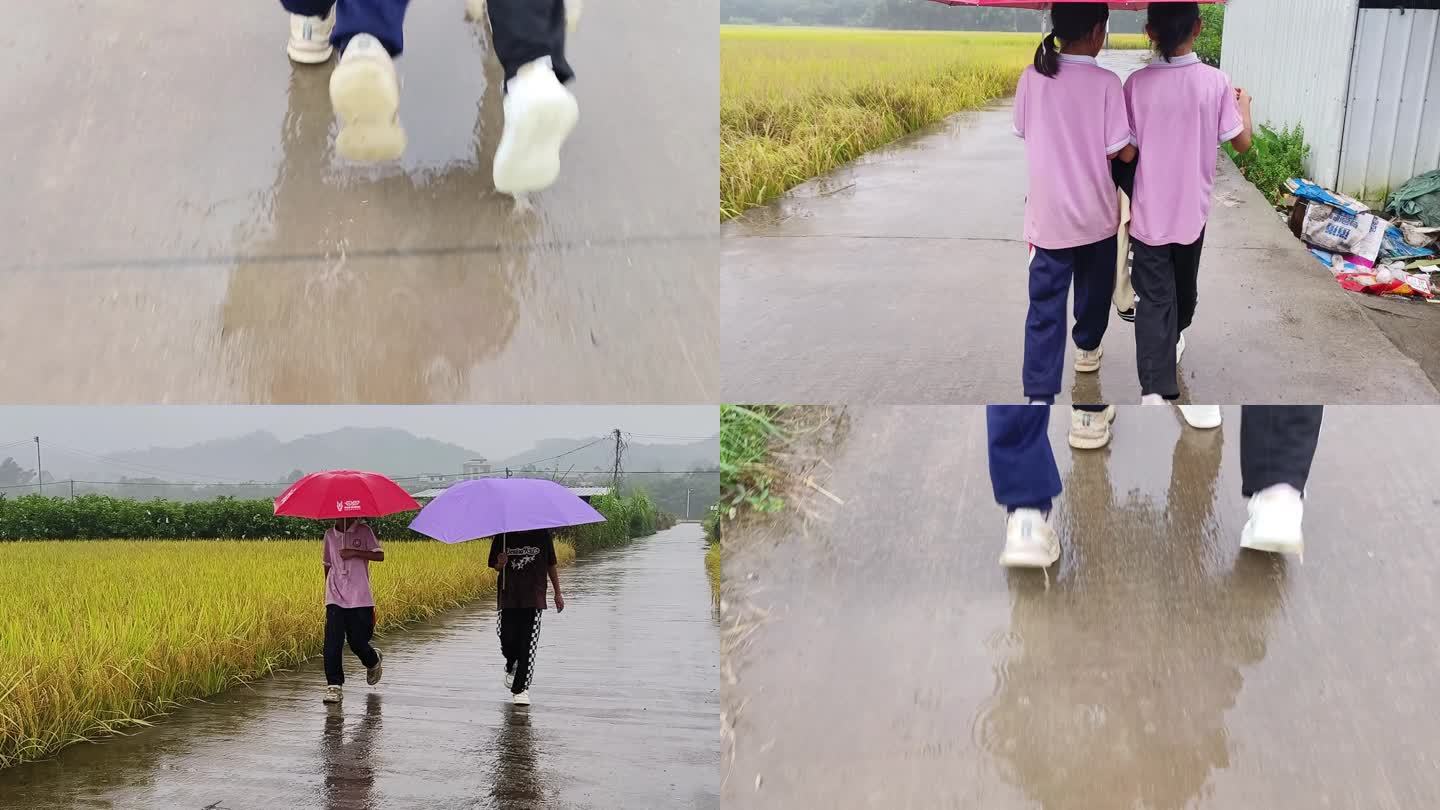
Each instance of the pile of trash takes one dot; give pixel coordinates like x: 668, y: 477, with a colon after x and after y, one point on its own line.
x: 1365, y: 251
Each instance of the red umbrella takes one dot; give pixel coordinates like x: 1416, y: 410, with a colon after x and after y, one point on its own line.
x: 1122, y: 5
x: 343, y: 494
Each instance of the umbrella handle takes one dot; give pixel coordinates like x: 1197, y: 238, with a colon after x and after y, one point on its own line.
x: 504, y: 548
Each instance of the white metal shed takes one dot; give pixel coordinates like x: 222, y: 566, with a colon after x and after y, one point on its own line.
x: 1360, y: 75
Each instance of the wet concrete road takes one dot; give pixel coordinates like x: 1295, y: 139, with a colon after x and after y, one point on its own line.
x: 625, y: 710
x: 176, y: 226
x: 901, y: 279
x: 901, y: 667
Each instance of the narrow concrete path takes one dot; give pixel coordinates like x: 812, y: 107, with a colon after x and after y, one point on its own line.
x: 1160, y: 666
x: 175, y: 225
x: 901, y: 279
x: 624, y: 715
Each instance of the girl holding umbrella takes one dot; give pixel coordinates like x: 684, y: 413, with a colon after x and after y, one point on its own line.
x: 347, y: 497
x: 517, y: 514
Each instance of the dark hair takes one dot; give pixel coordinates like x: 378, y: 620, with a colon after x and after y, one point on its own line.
x: 1069, y: 22
x: 1172, y: 25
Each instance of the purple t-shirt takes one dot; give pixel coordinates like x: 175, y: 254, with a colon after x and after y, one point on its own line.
x: 1071, y: 124
x: 347, y: 583
x: 1181, y: 111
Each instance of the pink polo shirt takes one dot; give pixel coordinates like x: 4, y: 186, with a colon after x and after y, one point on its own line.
x: 347, y: 581
x: 1180, y: 111
x: 1071, y: 124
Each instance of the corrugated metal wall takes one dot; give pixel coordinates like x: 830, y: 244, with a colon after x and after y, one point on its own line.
x: 1293, y: 56
x: 1392, y: 129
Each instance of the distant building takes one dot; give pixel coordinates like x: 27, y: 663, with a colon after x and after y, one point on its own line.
x: 1359, y: 75
x: 475, y: 467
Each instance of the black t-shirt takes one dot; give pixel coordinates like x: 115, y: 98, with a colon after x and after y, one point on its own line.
x: 528, y: 556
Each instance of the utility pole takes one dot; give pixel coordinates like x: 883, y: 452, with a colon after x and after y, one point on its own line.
x: 687, y: 504
x: 39, y: 471
x: 72, y: 493
x: 615, y: 478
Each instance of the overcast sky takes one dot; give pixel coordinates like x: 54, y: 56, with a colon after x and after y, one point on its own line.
x: 503, y: 430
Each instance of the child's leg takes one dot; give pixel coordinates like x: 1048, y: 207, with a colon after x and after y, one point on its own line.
x: 359, y: 627
x: 526, y: 30
x: 334, y: 644
x: 1022, y: 465
x: 505, y: 629
x: 527, y: 640
x: 1187, y: 275
x: 382, y: 19
x: 1156, y: 319
x: 1277, y: 445
x: 1050, y: 273
x: 308, y: 8
x: 1094, y: 288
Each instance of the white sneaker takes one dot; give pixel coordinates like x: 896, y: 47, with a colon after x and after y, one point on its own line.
x: 1152, y: 399
x: 1087, y: 361
x: 1275, y: 517
x: 572, y: 15
x: 372, y: 674
x: 509, y: 678
x: 1090, y: 430
x: 539, y: 115
x: 332, y: 694
x: 521, y: 698
x: 1180, y: 348
x: 310, y: 38
x: 1204, y: 417
x: 1029, y: 541
x: 365, y: 93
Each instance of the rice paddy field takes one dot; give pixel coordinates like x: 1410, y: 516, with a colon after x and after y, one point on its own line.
x: 797, y: 102
x: 100, y: 636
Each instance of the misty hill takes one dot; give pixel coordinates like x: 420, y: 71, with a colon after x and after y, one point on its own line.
x: 261, y: 456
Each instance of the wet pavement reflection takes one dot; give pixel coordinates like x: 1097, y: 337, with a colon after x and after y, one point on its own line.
x: 188, y: 219
x: 626, y: 700
x: 1157, y: 667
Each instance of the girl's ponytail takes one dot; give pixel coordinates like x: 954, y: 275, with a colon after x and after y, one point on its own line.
x: 1047, y: 57
x: 1070, y: 22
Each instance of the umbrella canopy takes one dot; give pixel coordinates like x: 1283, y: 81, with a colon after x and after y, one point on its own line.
x: 1120, y: 5
x: 343, y: 494
x: 486, y: 507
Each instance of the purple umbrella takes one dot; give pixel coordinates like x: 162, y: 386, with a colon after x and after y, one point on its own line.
x: 487, y: 507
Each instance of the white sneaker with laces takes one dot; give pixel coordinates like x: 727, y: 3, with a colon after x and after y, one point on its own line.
x: 1180, y: 348
x: 372, y: 674
x: 365, y: 93
x: 310, y: 38
x: 540, y: 113
x: 1203, y: 417
x: 1090, y: 430
x: 333, y: 694
x: 1029, y: 541
x: 1275, y: 520
x: 509, y: 678
x: 1088, y: 361
x: 1152, y: 399
x: 521, y: 698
